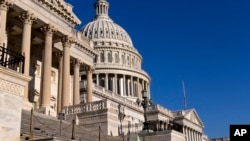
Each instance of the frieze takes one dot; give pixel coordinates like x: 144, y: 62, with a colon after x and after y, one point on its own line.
x: 10, y: 87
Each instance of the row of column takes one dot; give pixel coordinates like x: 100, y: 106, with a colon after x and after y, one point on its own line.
x: 192, y: 135
x: 64, y: 63
x: 62, y: 101
x: 123, y: 85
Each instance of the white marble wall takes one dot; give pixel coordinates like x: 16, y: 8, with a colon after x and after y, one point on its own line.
x: 11, y: 103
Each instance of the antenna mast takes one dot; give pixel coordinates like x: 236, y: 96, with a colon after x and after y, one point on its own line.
x: 184, y: 95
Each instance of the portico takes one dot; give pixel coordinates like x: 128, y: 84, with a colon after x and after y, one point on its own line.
x: 33, y: 33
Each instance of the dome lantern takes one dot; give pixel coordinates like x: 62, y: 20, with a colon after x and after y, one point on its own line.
x: 101, y: 7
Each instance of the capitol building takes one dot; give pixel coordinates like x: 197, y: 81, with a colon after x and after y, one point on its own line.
x: 92, y: 76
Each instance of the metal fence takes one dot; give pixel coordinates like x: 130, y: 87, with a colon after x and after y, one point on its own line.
x: 11, y: 59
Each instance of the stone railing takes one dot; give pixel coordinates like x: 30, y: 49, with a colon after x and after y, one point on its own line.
x: 161, y: 109
x: 86, y: 107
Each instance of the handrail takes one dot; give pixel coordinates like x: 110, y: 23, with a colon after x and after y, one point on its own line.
x: 11, y: 59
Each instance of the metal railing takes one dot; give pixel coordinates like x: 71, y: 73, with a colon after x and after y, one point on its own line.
x: 11, y: 59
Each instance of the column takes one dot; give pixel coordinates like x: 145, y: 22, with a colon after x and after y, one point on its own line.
x: 59, y: 94
x: 4, y: 6
x: 27, y: 19
x: 66, y: 42
x: 106, y: 81
x: 132, y: 86
x: 97, y: 79
x: 116, y: 83
x: 124, y: 85
x: 189, y: 135
x: 46, y: 69
x: 138, y: 87
x: 76, y: 89
x: 89, y: 72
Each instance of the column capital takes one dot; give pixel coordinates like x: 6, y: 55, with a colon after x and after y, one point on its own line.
x: 49, y: 29
x: 27, y: 17
x: 76, y: 62
x: 89, y: 68
x: 67, y: 41
x: 5, y: 4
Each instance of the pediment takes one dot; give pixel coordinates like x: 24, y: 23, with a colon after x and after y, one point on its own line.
x: 192, y: 116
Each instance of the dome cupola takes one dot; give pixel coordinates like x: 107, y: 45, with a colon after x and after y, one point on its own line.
x: 103, y: 29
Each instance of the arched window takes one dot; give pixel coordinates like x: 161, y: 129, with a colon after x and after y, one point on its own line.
x: 133, y: 63
x: 102, y: 57
x: 109, y: 57
x: 116, y: 58
x: 122, y: 59
x: 128, y: 60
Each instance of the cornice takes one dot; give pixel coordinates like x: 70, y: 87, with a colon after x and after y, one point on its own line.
x: 123, y: 69
x: 85, y: 49
x: 60, y: 9
x: 135, y: 52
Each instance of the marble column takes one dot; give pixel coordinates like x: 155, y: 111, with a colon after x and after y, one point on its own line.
x: 89, y: 72
x: 66, y: 42
x: 49, y: 30
x: 106, y: 81
x: 124, y: 86
x: 132, y: 86
x: 59, y: 91
x: 116, y: 83
x: 27, y: 19
x: 138, y: 87
x: 97, y: 79
x: 76, y: 89
x: 4, y: 6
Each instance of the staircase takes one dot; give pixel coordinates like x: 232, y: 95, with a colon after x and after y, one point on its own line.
x: 49, y: 127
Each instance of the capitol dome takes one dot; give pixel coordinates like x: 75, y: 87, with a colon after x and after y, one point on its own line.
x: 102, y: 27
x: 118, y: 64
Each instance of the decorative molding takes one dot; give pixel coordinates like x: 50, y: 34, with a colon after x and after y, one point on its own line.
x: 10, y: 87
x: 60, y: 8
x: 28, y: 17
x: 49, y: 29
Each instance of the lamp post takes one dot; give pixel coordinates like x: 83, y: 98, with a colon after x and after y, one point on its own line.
x: 145, y: 102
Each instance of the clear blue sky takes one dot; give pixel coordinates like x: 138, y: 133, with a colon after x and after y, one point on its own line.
x: 204, y: 43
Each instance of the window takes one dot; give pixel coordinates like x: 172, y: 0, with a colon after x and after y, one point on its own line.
x: 123, y: 61
x: 109, y: 57
x: 128, y: 60
x: 102, y: 57
x: 116, y: 58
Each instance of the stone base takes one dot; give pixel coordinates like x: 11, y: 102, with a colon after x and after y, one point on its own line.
x: 47, y: 111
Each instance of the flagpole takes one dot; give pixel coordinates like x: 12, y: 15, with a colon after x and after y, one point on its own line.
x: 184, y: 95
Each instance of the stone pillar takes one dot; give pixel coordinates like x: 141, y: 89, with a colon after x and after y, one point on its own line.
x: 66, y: 41
x: 59, y: 91
x: 46, y: 69
x: 4, y: 6
x: 106, y: 81
x: 124, y: 86
x: 76, y: 94
x: 97, y: 79
x: 27, y: 19
x: 132, y: 86
x: 89, y: 72
x: 138, y: 87
x: 116, y: 83
x: 189, y: 135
